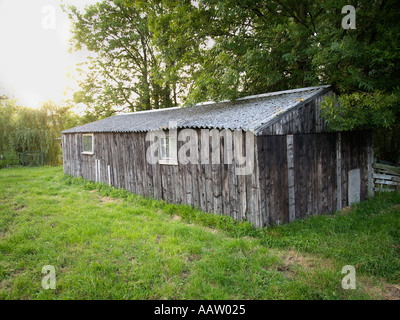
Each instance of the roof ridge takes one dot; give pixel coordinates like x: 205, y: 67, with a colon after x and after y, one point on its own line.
x: 290, y: 109
x: 277, y: 93
x: 146, y: 111
x: 247, y: 113
x: 263, y: 95
x: 257, y: 96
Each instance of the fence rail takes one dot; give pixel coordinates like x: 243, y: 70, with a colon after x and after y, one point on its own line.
x: 31, y: 158
x: 386, y: 177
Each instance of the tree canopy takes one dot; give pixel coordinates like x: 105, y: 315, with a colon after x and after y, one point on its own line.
x: 125, y: 69
x: 156, y: 53
x: 261, y: 46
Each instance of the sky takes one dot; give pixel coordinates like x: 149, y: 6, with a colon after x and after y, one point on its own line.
x: 34, y: 58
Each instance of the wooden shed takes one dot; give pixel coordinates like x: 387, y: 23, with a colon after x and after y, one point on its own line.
x: 267, y: 158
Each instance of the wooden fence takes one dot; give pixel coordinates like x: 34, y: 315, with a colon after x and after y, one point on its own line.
x: 386, y: 177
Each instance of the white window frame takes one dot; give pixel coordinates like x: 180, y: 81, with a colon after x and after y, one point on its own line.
x: 172, y: 150
x: 88, y: 135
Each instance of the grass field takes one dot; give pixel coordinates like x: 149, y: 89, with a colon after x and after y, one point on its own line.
x: 110, y: 244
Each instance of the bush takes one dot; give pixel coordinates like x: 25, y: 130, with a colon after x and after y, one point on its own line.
x: 8, y: 159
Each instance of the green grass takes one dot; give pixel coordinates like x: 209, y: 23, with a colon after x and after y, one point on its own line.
x: 107, y: 243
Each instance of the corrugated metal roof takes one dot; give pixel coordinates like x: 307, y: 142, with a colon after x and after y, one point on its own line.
x: 248, y: 114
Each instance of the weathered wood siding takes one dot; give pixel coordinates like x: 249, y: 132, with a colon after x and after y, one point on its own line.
x: 299, y: 176
x: 356, y: 149
x: 211, y: 187
x: 305, y: 118
x: 315, y: 173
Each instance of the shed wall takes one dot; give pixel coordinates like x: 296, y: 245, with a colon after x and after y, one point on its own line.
x: 211, y: 187
x: 294, y: 176
x: 320, y: 171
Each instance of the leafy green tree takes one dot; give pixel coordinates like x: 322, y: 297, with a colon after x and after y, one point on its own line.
x: 124, y: 70
x: 152, y: 54
x: 364, y: 66
x: 226, y: 49
x: 7, y: 110
x: 27, y: 129
x: 56, y: 119
x: 238, y: 48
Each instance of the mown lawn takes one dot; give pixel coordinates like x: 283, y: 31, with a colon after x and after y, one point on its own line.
x: 110, y: 244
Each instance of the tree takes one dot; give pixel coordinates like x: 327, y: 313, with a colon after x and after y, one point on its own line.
x: 27, y: 129
x: 234, y: 48
x: 364, y: 66
x: 7, y: 110
x: 260, y: 46
x: 150, y: 51
x: 124, y: 70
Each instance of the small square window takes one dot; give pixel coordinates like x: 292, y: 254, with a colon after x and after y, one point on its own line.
x: 87, y: 143
x: 168, y: 150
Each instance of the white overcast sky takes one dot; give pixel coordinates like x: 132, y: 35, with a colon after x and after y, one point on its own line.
x: 34, y: 58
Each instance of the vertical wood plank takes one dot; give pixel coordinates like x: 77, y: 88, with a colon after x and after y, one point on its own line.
x: 339, y: 171
x: 370, y: 156
x: 290, y: 165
